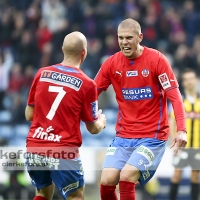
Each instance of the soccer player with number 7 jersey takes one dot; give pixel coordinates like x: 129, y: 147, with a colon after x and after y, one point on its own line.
x: 61, y: 95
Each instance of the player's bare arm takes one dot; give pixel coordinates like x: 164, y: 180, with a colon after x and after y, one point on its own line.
x: 98, y: 125
x: 29, y: 111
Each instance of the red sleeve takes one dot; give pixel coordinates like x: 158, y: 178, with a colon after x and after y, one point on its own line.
x: 175, y: 98
x: 102, y: 78
x: 90, y: 106
x: 31, y: 95
x: 165, y: 74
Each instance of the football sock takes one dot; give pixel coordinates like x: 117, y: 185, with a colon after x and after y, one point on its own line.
x: 127, y: 190
x: 108, y: 192
x: 194, y: 191
x: 173, y: 191
x: 39, y: 198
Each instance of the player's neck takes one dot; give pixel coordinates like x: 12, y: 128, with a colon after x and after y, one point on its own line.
x: 138, y: 52
x: 67, y: 62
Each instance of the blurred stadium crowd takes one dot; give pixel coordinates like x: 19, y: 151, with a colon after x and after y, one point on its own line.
x: 32, y: 31
x: 31, y: 35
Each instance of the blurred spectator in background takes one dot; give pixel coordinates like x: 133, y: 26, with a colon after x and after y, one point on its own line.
x: 183, y: 58
x: 27, y: 79
x: 111, y: 46
x: 5, y: 27
x: 18, y: 29
x: 16, y: 79
x: 92, y: 61
x: 17, y: 110
x: 33, y: 14
x: 26, y: 50
x: 6, y: 61
x: 53, y: 13
x: 190, y: 21
x: 46, y: 57
x: 189, y: 156
x: 43, y: 35
x: 196, y: 53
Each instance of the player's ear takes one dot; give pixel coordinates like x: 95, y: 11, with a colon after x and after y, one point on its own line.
x: 62, y: 49
x: 140, y: 37
x: 83, y: 54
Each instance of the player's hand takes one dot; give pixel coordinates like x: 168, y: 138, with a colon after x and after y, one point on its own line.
x: 102, y: 118
x: 179, y: 141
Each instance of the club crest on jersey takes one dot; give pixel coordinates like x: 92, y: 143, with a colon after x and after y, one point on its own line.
x: 135, y: 94
x: 61, y: 79
x: 145, y: 72
x: 131, y: 73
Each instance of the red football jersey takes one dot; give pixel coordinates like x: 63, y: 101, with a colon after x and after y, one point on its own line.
x: 61, y: 96
x: 140, y: 85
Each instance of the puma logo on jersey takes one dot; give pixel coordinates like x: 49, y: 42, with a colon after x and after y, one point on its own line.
x: 45, y: 135
x: 118, y: 73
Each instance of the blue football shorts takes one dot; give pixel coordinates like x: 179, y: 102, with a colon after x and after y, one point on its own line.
x: 143, y: 153
x: 67, y: 175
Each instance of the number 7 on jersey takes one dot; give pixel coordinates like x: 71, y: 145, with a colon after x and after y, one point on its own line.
x: 58, y: 99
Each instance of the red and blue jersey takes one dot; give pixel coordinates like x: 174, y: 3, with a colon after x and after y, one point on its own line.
x: 61, y: 96
x: 140, y: 86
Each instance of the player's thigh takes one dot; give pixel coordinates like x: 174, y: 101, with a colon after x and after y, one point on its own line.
x: 115, y: 159
x: 69, y: 180
x: 77, y: 195
x: 42, y: 181
x: 110, y: 176
x: 40, y: 176
x: 146, y: 158
x: 116, y: 155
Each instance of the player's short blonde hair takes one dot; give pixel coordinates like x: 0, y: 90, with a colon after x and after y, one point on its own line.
x: 130, y: 24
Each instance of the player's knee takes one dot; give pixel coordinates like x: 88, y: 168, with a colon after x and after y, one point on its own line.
x: 126, y: 176
x: 108, y: 180
x: 110, y: 177
x: 131, y: 176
